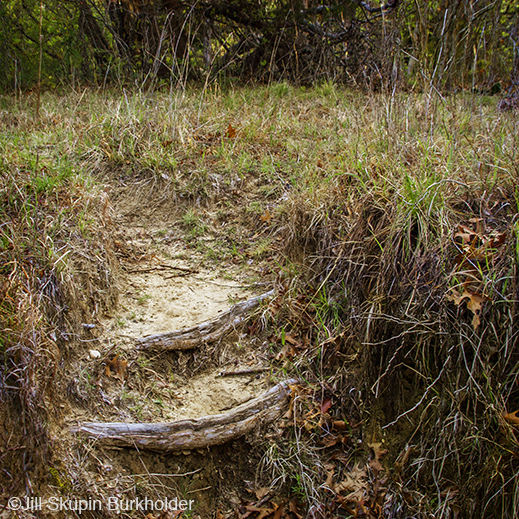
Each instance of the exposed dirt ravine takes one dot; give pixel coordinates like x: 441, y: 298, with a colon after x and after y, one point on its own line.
x: 166, y: 283
x: 164, y: 289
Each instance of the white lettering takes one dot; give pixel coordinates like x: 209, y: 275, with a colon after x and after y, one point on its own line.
x: 113, y: 504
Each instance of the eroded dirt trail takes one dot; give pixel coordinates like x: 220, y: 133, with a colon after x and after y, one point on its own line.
x: 169, y: 281
x: 164, y: 287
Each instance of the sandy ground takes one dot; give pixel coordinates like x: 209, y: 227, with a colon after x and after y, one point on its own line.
x: 164, y: 289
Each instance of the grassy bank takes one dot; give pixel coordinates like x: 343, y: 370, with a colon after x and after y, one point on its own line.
x: 389, y: 224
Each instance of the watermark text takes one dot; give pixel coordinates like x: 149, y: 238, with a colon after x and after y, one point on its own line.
x: 113, y: 504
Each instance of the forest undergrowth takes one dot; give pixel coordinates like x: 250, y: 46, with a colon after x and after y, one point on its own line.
x: 388, y: 225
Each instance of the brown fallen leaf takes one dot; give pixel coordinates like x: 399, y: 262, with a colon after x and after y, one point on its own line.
x: 355, y: 482
x: 266, y: 217
x: 474, y: 303
x: 262, y: 511
x: 325, y: 405
x: 498, y: 240
x: 330, y: 440
x: 512, y: 418
x: 279, y: 510
x: 379, y: 452
x: 456, y: 296
x: 294, y: 509
x: 231, y: 132
x: 286, y: 352
x: 340, y: 425
x: 117, y: 367
x: 330, y: 471
x: 466, y: 234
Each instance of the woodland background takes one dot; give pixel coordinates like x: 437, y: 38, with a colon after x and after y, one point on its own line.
x: 451, y: 45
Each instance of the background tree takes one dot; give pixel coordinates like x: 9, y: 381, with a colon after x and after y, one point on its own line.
x: 451, y: 45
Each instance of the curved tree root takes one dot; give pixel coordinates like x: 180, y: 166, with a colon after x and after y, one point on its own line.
x: 206, y: 332
x: 197, y: 433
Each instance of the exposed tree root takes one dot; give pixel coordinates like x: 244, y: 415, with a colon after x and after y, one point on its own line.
x: 193, y: 434
x: 206, y: 332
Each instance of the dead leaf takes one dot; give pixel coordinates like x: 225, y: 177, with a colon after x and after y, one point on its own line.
x: 261, y: 492
x: 467, y: 235
x: 498, y: 240
x: 340, y: 425
x: 456, y: 297
x: 231, y: 132
x: 167, y: 143
x: 355, y: 483
x: 379, y: 452
x: 512, y: 418
x: 331, y: 440
x: 294, y: 509
x: 325, y: 405
x: 262, y: 511
x: 279, y: 510
x: 117, y: 367
x: 286, y: 352
x: 267, y: 217
x: 474, y: 303
x: 329, y: 475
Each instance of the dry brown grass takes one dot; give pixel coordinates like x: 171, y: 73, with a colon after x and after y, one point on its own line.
x: 363, y: 195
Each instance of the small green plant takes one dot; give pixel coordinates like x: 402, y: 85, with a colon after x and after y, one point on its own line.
x: 60, y: 480
x: 193, y: 224
x: 142, y: 299
x: 143, y: 362
x: 120, y: 322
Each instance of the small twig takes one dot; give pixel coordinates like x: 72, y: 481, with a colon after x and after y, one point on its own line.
x: 163, y: 267
x: 241, y: 372
x: 184, y: 269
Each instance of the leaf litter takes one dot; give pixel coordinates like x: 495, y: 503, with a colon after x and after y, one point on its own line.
x: 477, y: 249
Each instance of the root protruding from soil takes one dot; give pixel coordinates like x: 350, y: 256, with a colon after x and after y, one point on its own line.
x: 199, y: 433
x: 206, y: 332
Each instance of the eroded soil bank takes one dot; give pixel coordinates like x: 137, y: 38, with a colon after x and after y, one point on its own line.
x: 386, y: 227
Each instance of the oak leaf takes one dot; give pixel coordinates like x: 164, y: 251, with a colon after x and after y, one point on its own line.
x: 355, y: 482
x: 474, y: 302
x: 379, y: 452
x: 466, y: 234
x: 267, y: 217
x: 117, y: 367
x: 262, y: 511
x: 294, y: 509
x: 231, y: 132
x: 512, y: 418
